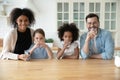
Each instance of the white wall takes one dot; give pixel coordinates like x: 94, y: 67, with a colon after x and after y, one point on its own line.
x: 45, y: 14
x: 117, y: 37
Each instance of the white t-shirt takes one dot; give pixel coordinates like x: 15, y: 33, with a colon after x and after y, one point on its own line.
x: 70, y: 50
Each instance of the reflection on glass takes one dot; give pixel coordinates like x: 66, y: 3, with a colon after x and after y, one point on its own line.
x: 112, y: 25
x: 81, y: 15
x: 97, y: 7
x: 107, y: 25
x: 113, y: 6
x: 81, y: 25
x: 75, y: 16
x: 113, y: 15
x: 81, y: 6
x: 66, y: 21
x: 98, y: 14
x: 59, y: 16
x: 107, y: 6
x: 75, y: 7
x: 59, y: 23
x: 76, y: 22
x: 66, y: 7
x: 59, y: 7
x: 91, y: 7
x: 107, y: 15
x: 66, y: 15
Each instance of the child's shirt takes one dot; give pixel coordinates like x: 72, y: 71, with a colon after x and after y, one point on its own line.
x: 38, y: 53
x: 70, y: 49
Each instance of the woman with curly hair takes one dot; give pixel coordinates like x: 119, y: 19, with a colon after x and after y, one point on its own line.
x: 68, y: 48
x: 20, y: 37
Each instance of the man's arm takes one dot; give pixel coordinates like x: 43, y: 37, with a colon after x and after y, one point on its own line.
x: 96, y: 56
x: 84, y: 44
x: 109, y: 47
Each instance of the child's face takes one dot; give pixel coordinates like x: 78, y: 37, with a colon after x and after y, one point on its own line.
x: 39, y: 38
x: 67, y: 37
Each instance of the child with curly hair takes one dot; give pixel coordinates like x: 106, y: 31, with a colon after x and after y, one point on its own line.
x: 68, y: 48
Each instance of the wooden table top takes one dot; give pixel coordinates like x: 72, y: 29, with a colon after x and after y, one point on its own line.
x: 90, y: 69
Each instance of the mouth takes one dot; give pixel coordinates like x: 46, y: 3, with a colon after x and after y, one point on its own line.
x: 92, y: 28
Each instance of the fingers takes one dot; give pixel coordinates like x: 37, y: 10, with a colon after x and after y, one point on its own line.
x: 91, y: 34
x: 67, y: 45
x: 23, y: 57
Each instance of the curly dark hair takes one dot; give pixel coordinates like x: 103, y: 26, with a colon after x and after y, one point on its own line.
x: 68, y: 27
x: 16, y: 12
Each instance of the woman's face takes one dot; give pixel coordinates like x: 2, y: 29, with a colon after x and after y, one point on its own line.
x: 22, y: 22
x: 67, y: 37
x: 39, y: 38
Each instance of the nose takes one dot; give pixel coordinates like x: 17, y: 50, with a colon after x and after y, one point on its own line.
x: 23, y: 22
x: 68, y: 39
x: 38, y: 40
x: 92, y: 25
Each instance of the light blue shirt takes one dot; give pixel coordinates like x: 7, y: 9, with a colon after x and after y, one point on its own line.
x: 104, y: 45
x: 38, y: 53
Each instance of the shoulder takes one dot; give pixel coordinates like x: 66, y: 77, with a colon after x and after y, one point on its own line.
x: 12, y: 32
x: 31, y: 31
x: 75, y: 43
x: 104, y: 32
x: 83, y: 35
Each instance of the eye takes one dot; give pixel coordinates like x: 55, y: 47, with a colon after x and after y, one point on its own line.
x: 65, y: 36
x: 89, y: 23
x: 41, y: 38
x: 36, y: 37
x: 26, y: 20
x: 20, y: 20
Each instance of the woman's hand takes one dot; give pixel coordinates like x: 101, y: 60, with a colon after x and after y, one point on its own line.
x: 23, y: 57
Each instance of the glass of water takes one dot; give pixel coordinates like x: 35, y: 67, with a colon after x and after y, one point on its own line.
x: 117, y: 59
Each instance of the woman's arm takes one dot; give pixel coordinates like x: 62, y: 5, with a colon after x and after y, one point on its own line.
x: 9, y: 45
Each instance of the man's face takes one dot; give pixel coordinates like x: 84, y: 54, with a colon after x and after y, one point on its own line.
x: 92, y: 24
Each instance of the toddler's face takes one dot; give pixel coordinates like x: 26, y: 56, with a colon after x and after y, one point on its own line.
x: 39, y: 38
x: 67, y: 37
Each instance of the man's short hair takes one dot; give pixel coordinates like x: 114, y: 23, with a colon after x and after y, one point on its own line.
x: 92, y: 15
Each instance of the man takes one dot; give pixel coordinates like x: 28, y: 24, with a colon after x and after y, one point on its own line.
x: 97, y: 43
